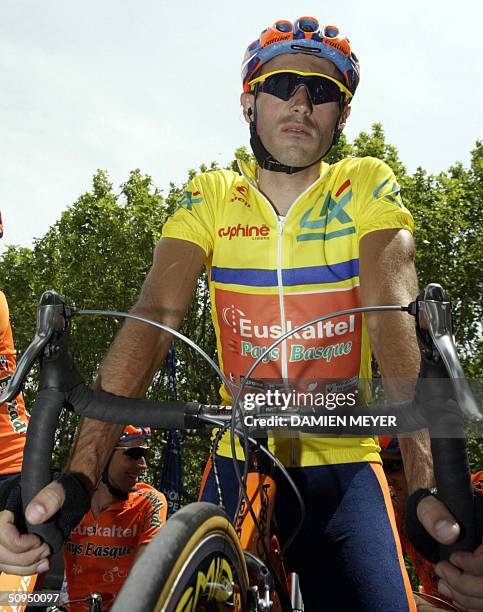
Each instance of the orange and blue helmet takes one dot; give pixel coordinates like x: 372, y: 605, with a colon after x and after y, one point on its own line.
x: 305, y: 35
x: 132, y: 432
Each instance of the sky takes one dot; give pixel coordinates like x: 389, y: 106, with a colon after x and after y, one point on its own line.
x: 155, y: 85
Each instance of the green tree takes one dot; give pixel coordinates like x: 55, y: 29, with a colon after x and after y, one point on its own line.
x: 448, y: 219
x: 97, y: 256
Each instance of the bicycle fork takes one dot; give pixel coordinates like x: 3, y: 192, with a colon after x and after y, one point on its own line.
x: 269, y: 585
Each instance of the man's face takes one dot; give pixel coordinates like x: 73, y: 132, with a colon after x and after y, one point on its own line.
x: 124, y: 471
x: 295, y: 131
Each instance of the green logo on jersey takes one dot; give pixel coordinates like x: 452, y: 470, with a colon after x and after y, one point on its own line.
x: 393, y: 195
x: 330, y: 210
x: 188, y: 199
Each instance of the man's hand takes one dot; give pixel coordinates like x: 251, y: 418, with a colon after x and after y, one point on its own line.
x: 23, y: 555
x: 26, y: 554
x: 462, y: 579
x: 427, y: 604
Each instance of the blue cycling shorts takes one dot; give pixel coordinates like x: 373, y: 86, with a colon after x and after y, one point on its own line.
x: 347, y: 554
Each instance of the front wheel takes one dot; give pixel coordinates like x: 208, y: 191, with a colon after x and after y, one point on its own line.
x: 195, y: 562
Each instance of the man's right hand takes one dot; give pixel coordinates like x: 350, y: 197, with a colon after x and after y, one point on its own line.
x: 21, y: 554
x: 25, y: 554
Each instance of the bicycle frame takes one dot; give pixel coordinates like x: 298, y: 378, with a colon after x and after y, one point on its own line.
x: 254, y: 530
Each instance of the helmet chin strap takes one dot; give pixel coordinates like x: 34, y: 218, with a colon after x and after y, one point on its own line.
x: 114, y: 491
x: 266, y: 160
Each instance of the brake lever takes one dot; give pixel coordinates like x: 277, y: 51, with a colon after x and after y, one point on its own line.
x: 53, y: 316
x: 434, y: 323
x: 440, y: 364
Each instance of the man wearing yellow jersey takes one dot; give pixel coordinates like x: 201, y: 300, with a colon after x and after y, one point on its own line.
x: 288, y: 239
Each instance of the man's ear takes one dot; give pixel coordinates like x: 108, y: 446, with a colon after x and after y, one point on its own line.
x: 346, y: 111
x: 247, y: 100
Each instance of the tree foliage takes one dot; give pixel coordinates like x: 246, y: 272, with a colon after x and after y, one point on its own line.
x: 99, y: 251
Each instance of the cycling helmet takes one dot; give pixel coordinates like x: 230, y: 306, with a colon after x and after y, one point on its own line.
x: 135, y: 433
x: 305, y: 35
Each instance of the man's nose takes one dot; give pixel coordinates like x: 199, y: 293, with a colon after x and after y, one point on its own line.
x: 141, y: 464
x: 300, y: 100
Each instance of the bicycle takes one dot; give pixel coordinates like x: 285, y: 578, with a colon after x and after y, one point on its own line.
x: 200, y: 559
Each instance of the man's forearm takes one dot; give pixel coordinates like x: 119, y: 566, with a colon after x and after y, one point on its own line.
x: 395, y: 347
x: 388, y: 277
x: 145, y: 347
x: 139, y: 348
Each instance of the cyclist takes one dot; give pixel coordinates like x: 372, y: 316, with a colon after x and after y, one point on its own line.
x: 125, y: 515
x: 13, y: 418
x: 345, y: 241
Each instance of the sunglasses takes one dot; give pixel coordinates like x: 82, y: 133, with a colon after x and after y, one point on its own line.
x: 134, y: 452
x: 283, y: 84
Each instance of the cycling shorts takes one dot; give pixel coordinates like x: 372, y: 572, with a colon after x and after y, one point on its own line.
x: 347, y: 554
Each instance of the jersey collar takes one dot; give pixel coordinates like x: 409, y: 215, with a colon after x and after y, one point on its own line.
x: 249, y: 170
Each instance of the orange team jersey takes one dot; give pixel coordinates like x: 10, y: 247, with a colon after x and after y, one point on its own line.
x: 99, y: 553
x: 13, y: 418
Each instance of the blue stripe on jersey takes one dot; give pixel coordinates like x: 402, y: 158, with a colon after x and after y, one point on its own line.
x: 251, y: 277
x: 315, y: 275
x: 312, y: 275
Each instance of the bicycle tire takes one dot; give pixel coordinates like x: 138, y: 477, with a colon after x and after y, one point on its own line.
x: 184, y: 567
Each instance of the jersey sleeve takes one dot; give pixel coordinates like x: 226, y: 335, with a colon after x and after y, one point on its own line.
x: 194, y: 219
x: 379, y: 203
x: 155, y: 510
x: 4, y: 314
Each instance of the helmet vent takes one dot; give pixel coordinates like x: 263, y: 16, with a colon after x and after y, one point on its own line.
x: 284, y: 26
x: 331, y: 31
x: 304, y: 49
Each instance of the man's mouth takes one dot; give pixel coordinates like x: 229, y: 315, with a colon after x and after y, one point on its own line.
x: 295, y: 129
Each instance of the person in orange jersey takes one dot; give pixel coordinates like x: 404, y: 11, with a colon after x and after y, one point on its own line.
x: 125, y: 516
x: 13, y: 418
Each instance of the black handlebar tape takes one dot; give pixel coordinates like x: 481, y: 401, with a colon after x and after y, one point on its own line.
x: 122, y: 410
x: 453, y: 480
x: 434, y: 391
x: 36, y: 472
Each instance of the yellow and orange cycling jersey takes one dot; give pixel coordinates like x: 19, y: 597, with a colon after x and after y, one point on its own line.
x: 13, y: 418
x: 269, y: 274
x: 99, y: 553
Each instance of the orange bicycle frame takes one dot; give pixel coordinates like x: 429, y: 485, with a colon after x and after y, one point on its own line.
x: 256, y: 537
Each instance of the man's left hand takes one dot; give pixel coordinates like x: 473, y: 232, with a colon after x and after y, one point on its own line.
x: 462, y: 579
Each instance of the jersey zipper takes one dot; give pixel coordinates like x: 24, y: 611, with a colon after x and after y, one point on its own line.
x: 281, y: 300
x: 281, y: 304
x: 280, y: 227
